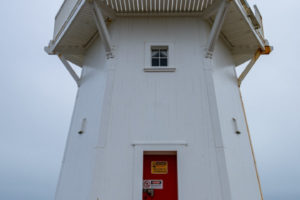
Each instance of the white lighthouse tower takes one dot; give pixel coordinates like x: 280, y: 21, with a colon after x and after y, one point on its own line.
x: 158, y: 114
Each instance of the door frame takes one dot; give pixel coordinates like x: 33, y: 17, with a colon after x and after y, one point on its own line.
x: 140, y: 148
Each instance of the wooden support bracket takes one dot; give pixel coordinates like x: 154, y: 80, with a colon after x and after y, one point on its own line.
x: 102, y: 28
x: 70, y: 69
x: 216, y: 28
x: 258, y: 53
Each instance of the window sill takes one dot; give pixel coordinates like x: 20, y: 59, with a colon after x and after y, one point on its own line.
x: 159, y: 69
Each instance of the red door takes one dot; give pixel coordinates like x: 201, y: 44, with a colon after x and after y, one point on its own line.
x: 160, y: 177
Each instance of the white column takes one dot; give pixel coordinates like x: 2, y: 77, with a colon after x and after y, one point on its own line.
x: 212, y: 100
x: 102, y: 28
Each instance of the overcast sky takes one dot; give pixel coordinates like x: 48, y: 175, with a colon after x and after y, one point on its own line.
x: 37, y: 97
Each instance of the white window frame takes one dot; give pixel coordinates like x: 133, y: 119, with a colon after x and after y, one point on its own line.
x: 148, y: 57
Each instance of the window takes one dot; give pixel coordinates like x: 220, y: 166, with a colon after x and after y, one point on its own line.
x: 159, y: 56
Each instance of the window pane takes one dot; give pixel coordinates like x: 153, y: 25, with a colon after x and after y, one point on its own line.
x: 155, y: 62
x: 159, y: 56
x: 155, y: 53
x: 164, y: 62
x: 163, y: 53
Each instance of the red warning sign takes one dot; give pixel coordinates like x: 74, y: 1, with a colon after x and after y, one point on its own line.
x: 147, y: 184
x: 153, y: 184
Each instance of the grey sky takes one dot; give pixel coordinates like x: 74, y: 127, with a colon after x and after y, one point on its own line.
x: 37, y: 98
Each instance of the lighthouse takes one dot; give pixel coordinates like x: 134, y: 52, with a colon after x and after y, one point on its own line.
x: 158, y: 112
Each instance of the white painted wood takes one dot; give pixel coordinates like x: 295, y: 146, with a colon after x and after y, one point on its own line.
x: 249, y: 67
x: 163, y: 143
x: 216, y: 129
x: 67, y: 9
x: 237, y: 148
x: 124, y: 6
x: 159, y: 69
x: 249, y: 23
x: 210, y: 11
x: 101, y: 25
x: 77, y: 27
x: 62, y: 25
x: 76, y: 178
x: 216, y: 28
x: 70, y: 69
x: 128, y: 111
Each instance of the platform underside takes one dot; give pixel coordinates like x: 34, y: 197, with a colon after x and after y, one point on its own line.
x: 75, y: 29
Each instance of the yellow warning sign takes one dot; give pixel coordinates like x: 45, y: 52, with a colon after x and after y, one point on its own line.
x: 159, y: 167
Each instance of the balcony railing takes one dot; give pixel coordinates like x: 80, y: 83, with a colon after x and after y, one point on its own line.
x: 254, y: 18
x: 70, y: 8
x: 64, y: 14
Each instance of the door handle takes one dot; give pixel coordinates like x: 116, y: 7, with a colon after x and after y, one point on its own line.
x: 149, y: 192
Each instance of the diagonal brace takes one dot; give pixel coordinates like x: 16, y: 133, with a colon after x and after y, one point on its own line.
x: 70, y: 69
x: 249, y: 67
x: 258, y: 53
x: 216, y: 28
x: 102, y: 28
